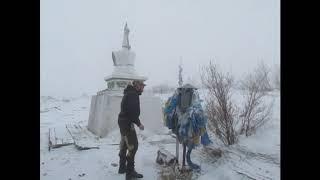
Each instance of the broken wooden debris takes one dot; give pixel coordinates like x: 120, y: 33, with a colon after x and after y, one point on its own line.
x: 57, y: 142
x: 174, y: 172
x: 165, y: 157
x: 60, y: 145
x: 84, y: 148
x: 53, y: 141
x: 75, y: 140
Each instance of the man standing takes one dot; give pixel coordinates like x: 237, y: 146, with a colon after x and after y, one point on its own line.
x: 128, y: 116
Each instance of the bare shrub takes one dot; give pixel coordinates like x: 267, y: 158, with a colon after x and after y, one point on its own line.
x: 219, y: 107
x: 262, y: 75
x: 276, y: 78
x: 255, y: 112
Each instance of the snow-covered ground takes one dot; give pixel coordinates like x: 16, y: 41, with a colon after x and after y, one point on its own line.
x: 254, y: 157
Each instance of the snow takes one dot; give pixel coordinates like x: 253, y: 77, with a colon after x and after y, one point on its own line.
x: 257, y: 156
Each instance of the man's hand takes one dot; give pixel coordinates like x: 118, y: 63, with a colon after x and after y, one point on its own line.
x: 141, y: 127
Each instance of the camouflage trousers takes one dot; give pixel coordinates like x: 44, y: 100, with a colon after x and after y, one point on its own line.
x: 128, y: 147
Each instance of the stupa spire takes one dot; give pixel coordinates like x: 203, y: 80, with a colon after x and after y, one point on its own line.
x: 125, y: 42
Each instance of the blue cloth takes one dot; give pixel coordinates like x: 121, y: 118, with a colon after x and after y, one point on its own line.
x: 205, y: 139
x: 169, y: 111
x: 191, y: 124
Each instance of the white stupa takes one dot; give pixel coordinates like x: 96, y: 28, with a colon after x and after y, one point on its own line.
x: 123, y: 62
x: 105, y: 106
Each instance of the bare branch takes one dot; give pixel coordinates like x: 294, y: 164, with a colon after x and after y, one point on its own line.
x: 255, y: 87
x: 219, y: 107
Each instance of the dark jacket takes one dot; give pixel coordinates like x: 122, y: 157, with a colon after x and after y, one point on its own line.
x: 130, y: 108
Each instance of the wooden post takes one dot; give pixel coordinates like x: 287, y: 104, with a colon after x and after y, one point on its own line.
x: 49, y: 141
x: 177, y: 149
x: 184, y: 155
x: 177, y: 140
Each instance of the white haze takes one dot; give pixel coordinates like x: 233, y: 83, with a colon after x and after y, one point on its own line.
x: 77, y: 37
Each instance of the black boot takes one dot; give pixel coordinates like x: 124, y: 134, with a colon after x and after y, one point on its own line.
x: 122, y: 169
x: 133, y: 174
x: 122, y: 166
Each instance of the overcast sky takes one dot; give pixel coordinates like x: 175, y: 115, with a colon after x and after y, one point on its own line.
x: 78, y: 36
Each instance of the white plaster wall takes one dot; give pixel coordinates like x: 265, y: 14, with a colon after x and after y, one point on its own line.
x: 104, y: 110
x: 151, y: 113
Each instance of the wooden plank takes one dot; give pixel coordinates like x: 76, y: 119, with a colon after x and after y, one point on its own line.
x: 57, y: 140
x: 81, y: 137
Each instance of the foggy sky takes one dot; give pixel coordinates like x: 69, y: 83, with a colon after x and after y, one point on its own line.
x: 78, y: 36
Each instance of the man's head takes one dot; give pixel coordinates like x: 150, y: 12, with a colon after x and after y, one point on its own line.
x: 138, y: 85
